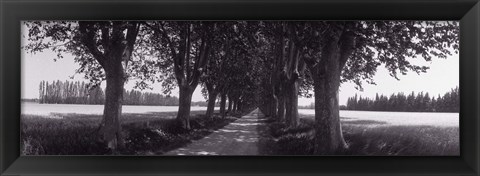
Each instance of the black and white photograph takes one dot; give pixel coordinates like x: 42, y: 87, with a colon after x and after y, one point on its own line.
x: 274, y: 88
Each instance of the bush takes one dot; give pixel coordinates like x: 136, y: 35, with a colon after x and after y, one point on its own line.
x: 289, y: 140
x: 296, y: 144
x: 146, y: 139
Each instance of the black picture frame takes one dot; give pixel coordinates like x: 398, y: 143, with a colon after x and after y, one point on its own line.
x: 13, y: 11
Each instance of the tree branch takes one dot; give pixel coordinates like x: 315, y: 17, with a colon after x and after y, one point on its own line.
x: 179, y: 59
x: 88, y: 39
x: 132, y: 32
x: 347, y: 46
x: 186, y: 64
x: 106, y: 39
x: 162, y: 32
x: 200, y: 62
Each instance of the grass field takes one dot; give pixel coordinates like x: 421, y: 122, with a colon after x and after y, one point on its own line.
x: 365, y: 137
x: 157, y: 133
x: 144, y: 134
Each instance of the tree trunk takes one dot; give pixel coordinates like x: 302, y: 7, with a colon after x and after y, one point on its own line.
x: 223, y: 102
x: 230, y: 104
x: 281, y: 108
x: 273, y: 106
x: 292, y: 104
x: 212, y: 97
x: 267, y: 104
x: 328, y: 132
x: 281, y: 95
x: 273, y: 101
x: 110, y: 127
x: 235, y: 106
x: 290, y: 84
x: 239, y: 106
x: 185, y: 101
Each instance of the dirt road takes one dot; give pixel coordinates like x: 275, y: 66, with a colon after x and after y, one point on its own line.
x: 237, y: 138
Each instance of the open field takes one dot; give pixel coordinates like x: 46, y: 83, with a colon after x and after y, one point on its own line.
x: 51, y: 129
x: 47, y: 109
x: 365, y: 137
x: 381, y: 118
x: 386, y: 118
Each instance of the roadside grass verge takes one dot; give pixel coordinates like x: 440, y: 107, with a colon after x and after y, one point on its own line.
x: 144, y: 134
x: 364, y: 138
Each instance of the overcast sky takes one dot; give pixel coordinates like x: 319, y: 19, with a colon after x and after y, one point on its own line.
x: 442, y: 76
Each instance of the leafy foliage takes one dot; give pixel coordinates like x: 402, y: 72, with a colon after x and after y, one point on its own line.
x: 394, y: 44
x: 95, y: 40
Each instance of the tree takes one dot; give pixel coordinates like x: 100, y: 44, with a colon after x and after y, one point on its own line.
x: 103, y: 49
x: 427, y: 102
x: 287, y: 77
x: 216, y: 76
x: 187, y: 44
x: 291, y: 68
x: 237, y: 73
x: 272, y: 104
x: 351, y: 51
x: 41, y: 97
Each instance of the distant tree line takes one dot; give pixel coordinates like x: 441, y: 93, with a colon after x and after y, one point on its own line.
x: 58, y: 92
x: 135, y: 97
x: 421, y: 102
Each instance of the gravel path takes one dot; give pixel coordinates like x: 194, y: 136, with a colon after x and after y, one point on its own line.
x: 237, y: 138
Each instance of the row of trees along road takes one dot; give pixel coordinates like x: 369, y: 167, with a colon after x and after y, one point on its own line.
x: 449, y: 102
x: 255, y: 63
x: 78, y: 92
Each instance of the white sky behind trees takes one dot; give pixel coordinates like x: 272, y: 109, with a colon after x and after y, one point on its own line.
x: 442, y: 76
